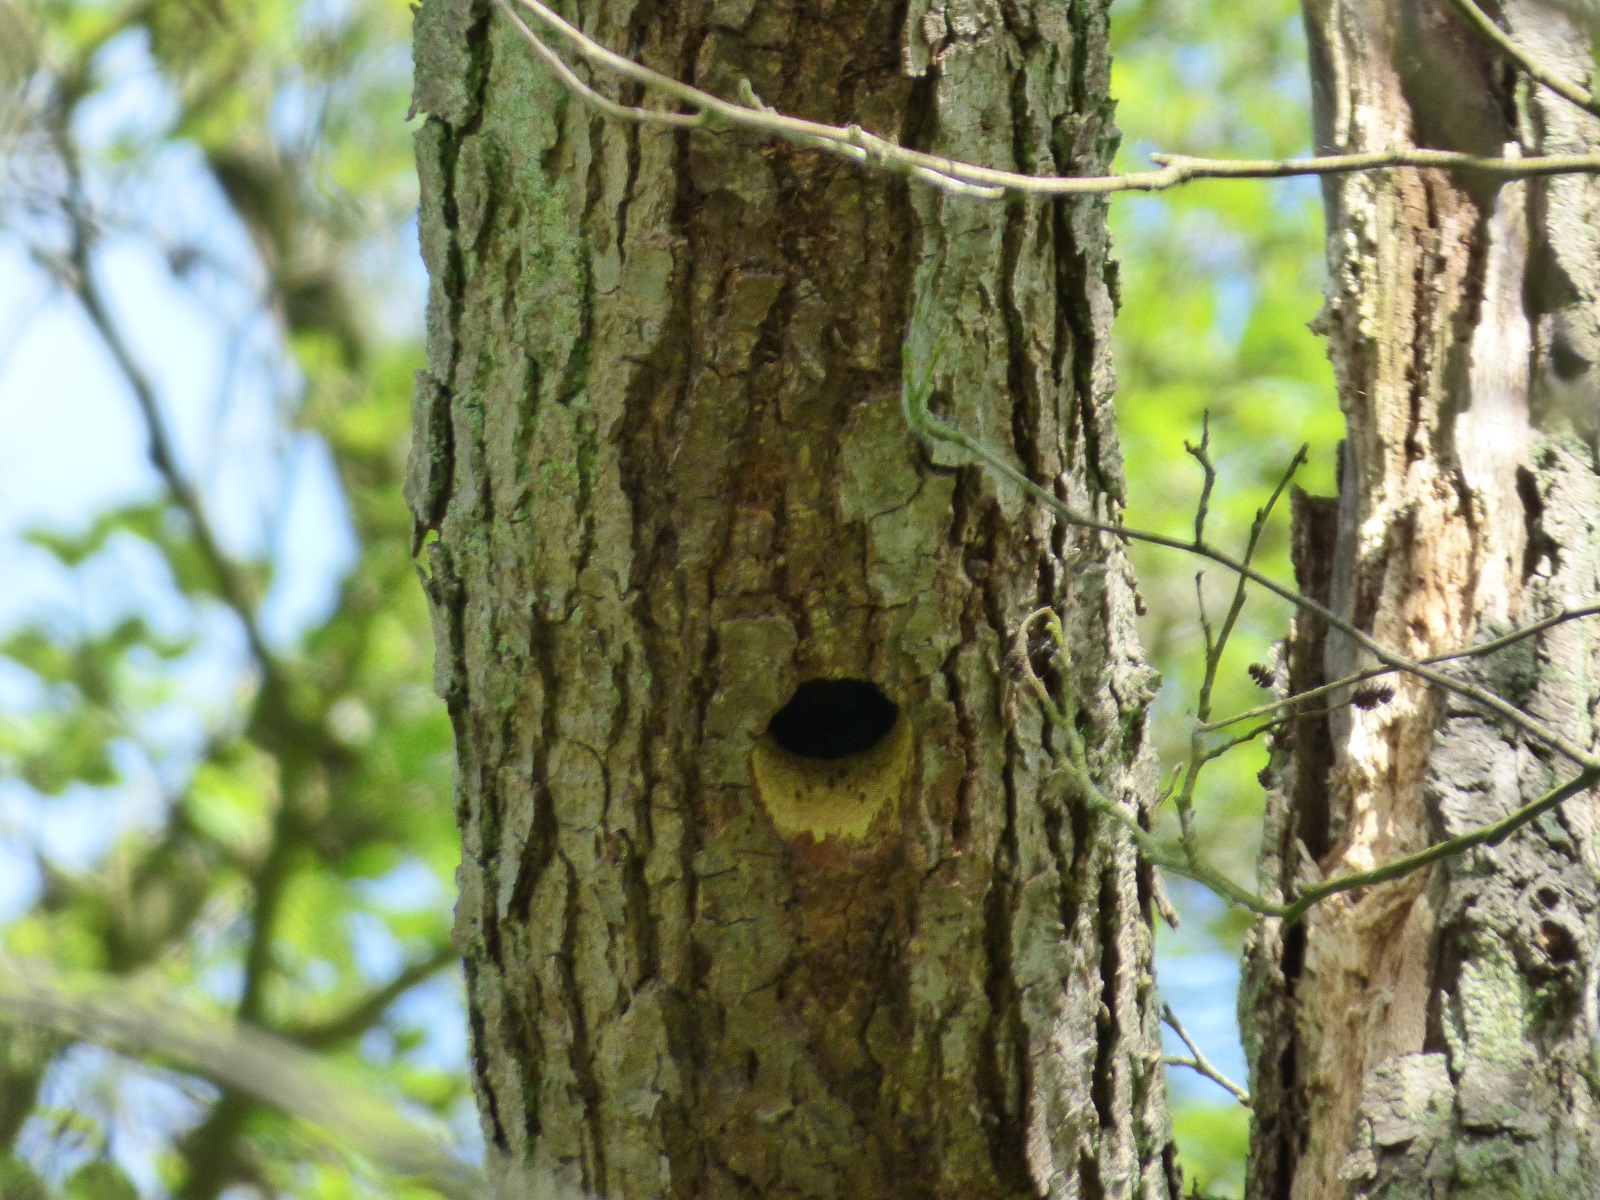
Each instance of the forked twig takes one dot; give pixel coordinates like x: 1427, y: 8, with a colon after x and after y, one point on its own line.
x: 1473, y: 651
x: 1198, y: 1062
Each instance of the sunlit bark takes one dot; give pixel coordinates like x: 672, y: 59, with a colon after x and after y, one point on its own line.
x: 1435, y: 1036
x: 660, y: 439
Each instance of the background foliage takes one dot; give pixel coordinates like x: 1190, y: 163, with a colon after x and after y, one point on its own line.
x: 213, y: 781
x: 1219, y: 281
x: 222, y: 768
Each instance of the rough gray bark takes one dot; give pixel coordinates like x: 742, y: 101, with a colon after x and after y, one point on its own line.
x: 1435, y: 1037
x: 659, y: 437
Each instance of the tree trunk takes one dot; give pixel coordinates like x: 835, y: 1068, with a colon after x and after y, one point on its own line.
x: 1436, y: 1036
x: 727, y: 934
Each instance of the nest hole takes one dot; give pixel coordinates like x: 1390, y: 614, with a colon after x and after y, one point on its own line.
x: 833, y: 718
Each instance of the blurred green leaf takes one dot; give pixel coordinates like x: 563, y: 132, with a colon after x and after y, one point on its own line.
x: 19, y: 1181
x: 100, y: 1180
x: 1214, y: 1139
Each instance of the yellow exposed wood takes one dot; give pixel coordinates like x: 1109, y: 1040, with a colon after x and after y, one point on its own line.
x: 840, y: 798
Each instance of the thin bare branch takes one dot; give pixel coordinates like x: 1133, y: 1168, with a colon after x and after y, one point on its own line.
x: 1075, y: 769
x: 1242, y: 739
x: 1199, y: 1063
x: 620, y: 112
x: 236, y: 588
x: 857, y: 145
x: 1474, y: 651
x: 1202, y: 455
x: 363, y: 1013
x: 1502, y: 41
x: 1257, y: 527
x: 1486, y: 835
x: 989, y: 183
x: 1217, y: 644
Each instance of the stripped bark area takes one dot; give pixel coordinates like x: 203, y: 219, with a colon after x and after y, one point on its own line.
x: 660, y: 439
x: 1435, y: 1036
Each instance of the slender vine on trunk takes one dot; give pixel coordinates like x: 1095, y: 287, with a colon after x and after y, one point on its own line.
x: 772, y: 886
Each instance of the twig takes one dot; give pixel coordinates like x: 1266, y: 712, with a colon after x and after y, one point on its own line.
x: 1199, y: 1063
x: 1474, y: 651
x: 989, y: 183
x: 1554, y: 80
x: 1242, y: 739
x: 359, y: 1016
x: 236, y: 589
x: 1207, y: 633
x: 1256, y: 731
x: 1202, y: 455
x: 853, y: 142
x: 1257, y: 527
x: 621, y: 112
x: 1217, y: 645
x: 1075, y: 768
x: 1485, y: 835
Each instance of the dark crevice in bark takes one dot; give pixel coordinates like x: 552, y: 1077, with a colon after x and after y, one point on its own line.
x: 1290, y: 1120
x: 581, y: 1056
x: 1089, y: 1177
x: 543, y: 838
x: 454, y: 268
x: 1003, y: 1057
x: 488, y: 1101
x: 965, y: 504
x: 575, y: 380
x: 1078, y: 337
x: 1025, y: 408
x: 639, y: 437
x: 642, y: 912
x: 961, y: 814
x: 624, y: 202
x: 1108, y: 1031
x: 538, y: 852
x: 1541, y: 548
x: 526, y: 1009
x: 1315, y: 528
x: 1367, y: 591
x: 1170, y: 1168
x: 1065, y: 850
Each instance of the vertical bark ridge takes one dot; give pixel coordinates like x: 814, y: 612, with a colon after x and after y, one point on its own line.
x: 679, y: 486
x: 1430, y: 1036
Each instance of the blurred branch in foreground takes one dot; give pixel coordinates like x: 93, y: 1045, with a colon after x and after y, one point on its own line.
x: 122, y: 1017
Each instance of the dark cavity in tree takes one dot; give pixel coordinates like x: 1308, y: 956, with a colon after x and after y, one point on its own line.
x: 833, y: 718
